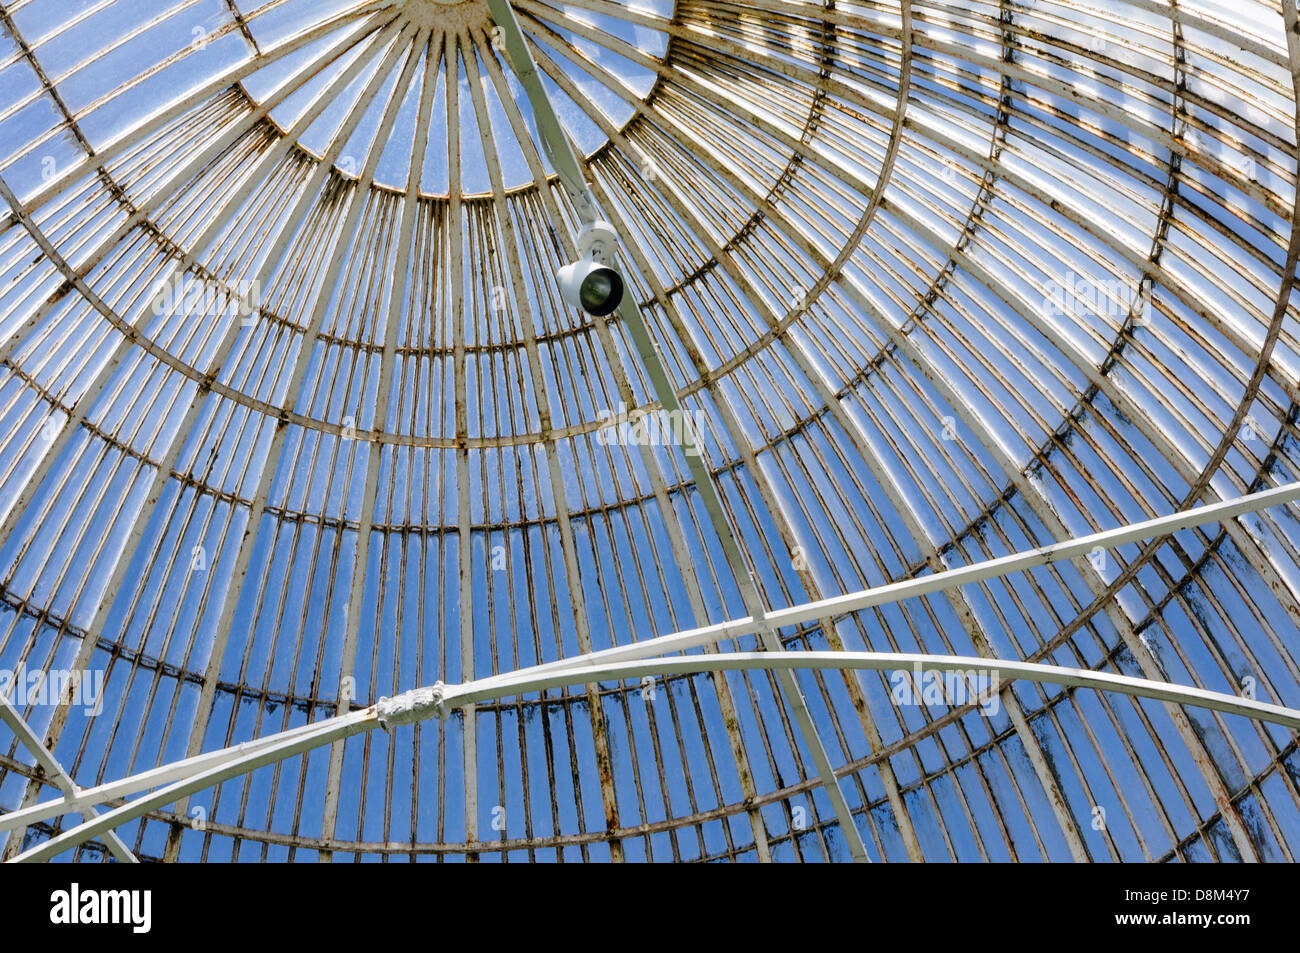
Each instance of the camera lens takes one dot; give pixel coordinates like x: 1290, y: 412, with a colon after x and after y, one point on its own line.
x: 601, y: 291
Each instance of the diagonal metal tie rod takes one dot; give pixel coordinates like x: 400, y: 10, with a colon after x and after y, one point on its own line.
x: 62, y: 780
x: 834, y: 606
x: 565, y: 160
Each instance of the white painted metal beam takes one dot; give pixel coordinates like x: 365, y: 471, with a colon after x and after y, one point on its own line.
x: 54, y: 770
x: 941, y: 581
x: 565, y: 160
x: 423, y: 703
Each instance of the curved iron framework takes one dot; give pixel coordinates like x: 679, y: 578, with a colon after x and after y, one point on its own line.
x: 294, y: 418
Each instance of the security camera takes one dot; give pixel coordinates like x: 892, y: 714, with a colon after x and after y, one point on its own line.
x: 591, y: 283
x: 591, y: 286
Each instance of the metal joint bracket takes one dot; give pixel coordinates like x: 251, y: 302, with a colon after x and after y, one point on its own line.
x: 599, y: 241
x: 407, y: 708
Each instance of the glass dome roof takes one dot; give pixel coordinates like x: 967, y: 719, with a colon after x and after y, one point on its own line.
x: 293, y: 419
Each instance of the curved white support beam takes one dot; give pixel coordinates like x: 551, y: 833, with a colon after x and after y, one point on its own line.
x: 523, y: 683
x: 623, y: 662
x: 423, y: 703
x: 935, y: 582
